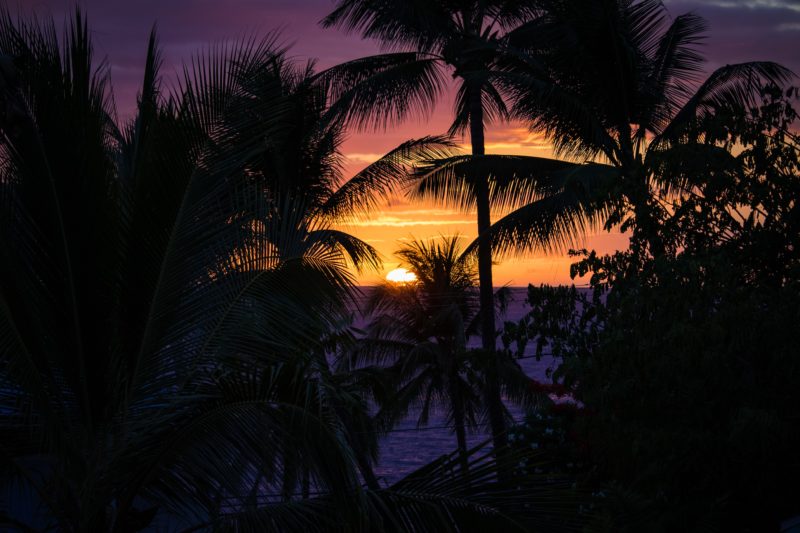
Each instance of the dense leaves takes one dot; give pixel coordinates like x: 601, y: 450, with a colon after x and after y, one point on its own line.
x: 174, y: 289
x: 684, y: 357
x: 618, y: 84
x: 170, y: 290
x: 143, y: 355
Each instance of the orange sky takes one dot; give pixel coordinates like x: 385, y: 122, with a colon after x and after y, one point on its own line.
x: 403, y: 220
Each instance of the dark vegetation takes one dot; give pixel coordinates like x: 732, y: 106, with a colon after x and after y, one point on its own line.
x: 176, y: 350
x: 685, y: 362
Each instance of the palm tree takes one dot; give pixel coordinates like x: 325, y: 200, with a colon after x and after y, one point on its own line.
x: 465, y: 37
x: 419, y: 331
x: 300, y: 164
x: 302, y: 184
x: 158, y: 343
x: 427, y: 319
x: 156, y: 332
x: 618, y: 83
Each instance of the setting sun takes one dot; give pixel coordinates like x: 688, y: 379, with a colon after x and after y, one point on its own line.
x: 401, y: 275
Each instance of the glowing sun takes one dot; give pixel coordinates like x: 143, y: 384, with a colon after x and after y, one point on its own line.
x: 400, y: 275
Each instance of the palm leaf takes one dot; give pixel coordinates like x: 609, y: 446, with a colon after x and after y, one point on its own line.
x: 361, y: 194
x: 676, y: 65
x: 731, y: 86
x: 513, y: 180
x: 559, y: 220
x: 440, y: 497
x: 397, y: 24
x: 382, y: 90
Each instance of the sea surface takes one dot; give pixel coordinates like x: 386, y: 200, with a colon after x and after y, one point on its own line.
x: 410, y: 447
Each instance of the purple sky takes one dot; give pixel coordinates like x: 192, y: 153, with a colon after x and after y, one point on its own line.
x: 120, y: 29
x: 740, y: 30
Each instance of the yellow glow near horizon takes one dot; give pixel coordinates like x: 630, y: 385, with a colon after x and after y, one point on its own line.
x: 401, y: 275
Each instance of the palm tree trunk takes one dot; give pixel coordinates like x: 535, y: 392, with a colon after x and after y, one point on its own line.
x: 639, y: 195
x: 289, y: 476
x: 458, y: 421
x: 493, y: 397
x: 306, y: 482
x: 366, y: 471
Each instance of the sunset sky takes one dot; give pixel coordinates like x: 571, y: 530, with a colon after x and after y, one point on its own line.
x: 740, y: 30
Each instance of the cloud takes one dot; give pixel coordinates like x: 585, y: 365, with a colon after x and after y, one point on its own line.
x: 747, y: 30
x: 791, y: 5
x: 363, y: 158
x: 397, y: 222
x: 429, y: 212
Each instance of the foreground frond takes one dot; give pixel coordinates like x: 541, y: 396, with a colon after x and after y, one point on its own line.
x: 363, y: 193
x: 513, y: 180
x: 560, y: 220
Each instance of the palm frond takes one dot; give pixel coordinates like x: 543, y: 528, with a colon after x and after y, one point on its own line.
x: 378, y: 91
x: 675, y: 70
x: 359, y: 253
x: 558, y: 221
x: 567, y: 118
x: 513, y: 180
x: 363, y: 193
x: 397, y: 24
x: 441, y: 497
x: 731, y: 86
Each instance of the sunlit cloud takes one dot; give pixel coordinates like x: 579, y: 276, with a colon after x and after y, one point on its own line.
x: 792, y: 5
x: 363, y: 157
x: 431, y: 212
x: 505, y: 146
x: 513, y: 138
x: 398, y: 222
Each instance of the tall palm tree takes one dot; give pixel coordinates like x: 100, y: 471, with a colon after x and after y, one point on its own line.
x: 430, y: 38
x: 618, y: 83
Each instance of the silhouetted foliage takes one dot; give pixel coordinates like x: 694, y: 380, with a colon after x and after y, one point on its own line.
x: 169, y: 288
x: 619, y: 85
x: 418, y: 332
x: 684, y: 357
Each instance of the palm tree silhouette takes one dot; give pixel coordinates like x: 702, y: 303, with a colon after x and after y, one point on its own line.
x: 300, y: 165
x: 618, y: 83
x: 465, y: 37
x: 306, y: 194
x: 419, y: 332
x: 427, y: 320
x: 158, y: 317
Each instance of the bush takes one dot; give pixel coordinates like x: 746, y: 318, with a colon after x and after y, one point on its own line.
x: 684, y: 353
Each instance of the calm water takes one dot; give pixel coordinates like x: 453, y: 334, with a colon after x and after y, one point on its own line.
x: 409, y: 448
